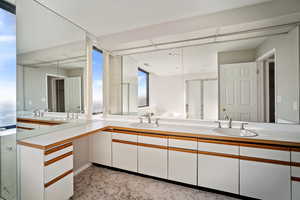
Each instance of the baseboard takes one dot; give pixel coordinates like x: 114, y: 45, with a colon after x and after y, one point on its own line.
x: 78, y: 171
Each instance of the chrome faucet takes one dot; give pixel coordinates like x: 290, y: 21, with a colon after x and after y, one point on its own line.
x: 228, y: 118
x: 230, y: 123
x: 37, y: 113
x: 148, y: 116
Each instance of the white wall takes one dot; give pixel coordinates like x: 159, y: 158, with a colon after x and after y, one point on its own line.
x: 242, y: 56
x: 167, y: 93
x: 287, y: 73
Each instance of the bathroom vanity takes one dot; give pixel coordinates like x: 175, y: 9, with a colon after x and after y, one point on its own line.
x: 264, y: 167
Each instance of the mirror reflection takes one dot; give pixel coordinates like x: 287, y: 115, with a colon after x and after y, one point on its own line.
x: 51, y: 61
x: 254, y: 79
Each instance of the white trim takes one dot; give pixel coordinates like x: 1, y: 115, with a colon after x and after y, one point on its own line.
x: 84, y: 167
x: 266, y: 55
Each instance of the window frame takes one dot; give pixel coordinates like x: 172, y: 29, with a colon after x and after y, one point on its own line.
x: 8, y: 6
x: 147, y: 88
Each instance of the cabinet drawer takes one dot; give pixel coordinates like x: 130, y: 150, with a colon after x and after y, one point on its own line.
x: 57, y: 168
x: 125, y: 137
x: 296, y: 172
x: 61, y: 190
x: 265, y: 153
x: 218, y: 148
x: 153, y: 140
x: 295, y: 190
x: 58, y: 153
x: 185, y: 144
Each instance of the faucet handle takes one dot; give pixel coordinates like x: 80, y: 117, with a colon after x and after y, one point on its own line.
x: 219, y: 124
x: 243, y: 125
x: 156, y: 122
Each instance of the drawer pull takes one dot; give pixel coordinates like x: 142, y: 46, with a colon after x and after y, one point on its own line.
x: 58, y: 178
x: 49, y: 162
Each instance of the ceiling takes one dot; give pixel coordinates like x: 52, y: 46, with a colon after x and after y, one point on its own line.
x: 103, y: 17
x: 195, y: 59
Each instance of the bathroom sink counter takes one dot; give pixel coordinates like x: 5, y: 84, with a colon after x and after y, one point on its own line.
x: 68, y: 134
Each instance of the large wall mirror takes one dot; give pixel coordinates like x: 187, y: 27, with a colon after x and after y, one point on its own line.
x: 51, y: 61
x: 253, y: 79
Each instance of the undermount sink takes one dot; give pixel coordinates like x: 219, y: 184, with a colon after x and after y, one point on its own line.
x: 235, y: 132
x: 144, y: 125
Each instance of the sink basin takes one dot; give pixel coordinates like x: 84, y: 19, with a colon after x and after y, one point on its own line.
x: 143, y: 125
x: 235, y: 132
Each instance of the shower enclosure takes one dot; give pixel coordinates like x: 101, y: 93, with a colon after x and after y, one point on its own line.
x: 8, y: 167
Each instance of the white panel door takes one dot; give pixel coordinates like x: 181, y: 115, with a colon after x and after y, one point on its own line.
x: 73, y: 94
x: 153, y: 161
x: 265, y: 181
x: 238, y: 91
x: 183, y: 167
x: 194, y: 99
x: 218, y: 173
x: 100, y: 148
x: 210, y: 99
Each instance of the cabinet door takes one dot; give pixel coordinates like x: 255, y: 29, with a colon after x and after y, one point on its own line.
x: 295, y: 175
x: 183, y: 167
x: 100, y: 148
x: 153, y: 156
x: 218, y: 171
x: 183, y: 160
x: 262, y: 179
x: 124, y: 151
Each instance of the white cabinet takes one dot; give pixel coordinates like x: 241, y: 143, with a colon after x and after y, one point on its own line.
x: 295, y: 175
x: 124, y: 151
x: 100, y: 148
x: 153, y: 156
x: 46, y: 174
x: 183, y: 160
x: 262, y: 179
x: 218, y: 167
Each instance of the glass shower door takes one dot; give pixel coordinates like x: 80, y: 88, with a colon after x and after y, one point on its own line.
x: 8, y: 167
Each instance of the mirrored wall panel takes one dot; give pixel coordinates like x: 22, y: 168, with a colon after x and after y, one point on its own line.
x: 253, y: 79
x: 51, y: 61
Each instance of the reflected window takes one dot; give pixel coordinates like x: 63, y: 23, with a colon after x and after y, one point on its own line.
x: 7, y: 65
x: 143, y: 88
x: 97, y: 68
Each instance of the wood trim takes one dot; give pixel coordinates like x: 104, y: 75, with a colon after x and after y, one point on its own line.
x: 124, y: 142
x: 36, y: 146
x: 183, y: 150
x: 153, y: 146
x: 295, y: 164
x: 183, y: 138
x: 25, y: 128
x: 58, y: 178
x: 153, y: 135
x: 55, y: 149
x: 297, y: 179
x: 219, y: 154
x: 49, y: 162
x: 278, y: 162
x: 295, y: 149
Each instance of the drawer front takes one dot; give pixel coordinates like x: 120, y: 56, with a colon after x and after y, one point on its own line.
x: 296, y: 172
x: 58, y: 153
x: 218, y: 148
x: 61, y: 190
x: 125, y: 137
x: 153, y: 140
x: 295, y: 156
x: 185, y: 144
x: 57, y: 168
x: 265, y: 153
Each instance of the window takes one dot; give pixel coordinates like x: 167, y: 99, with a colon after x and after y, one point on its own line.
x: 143, y: 88
x: 97, y: 68
x: 7, y: 65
